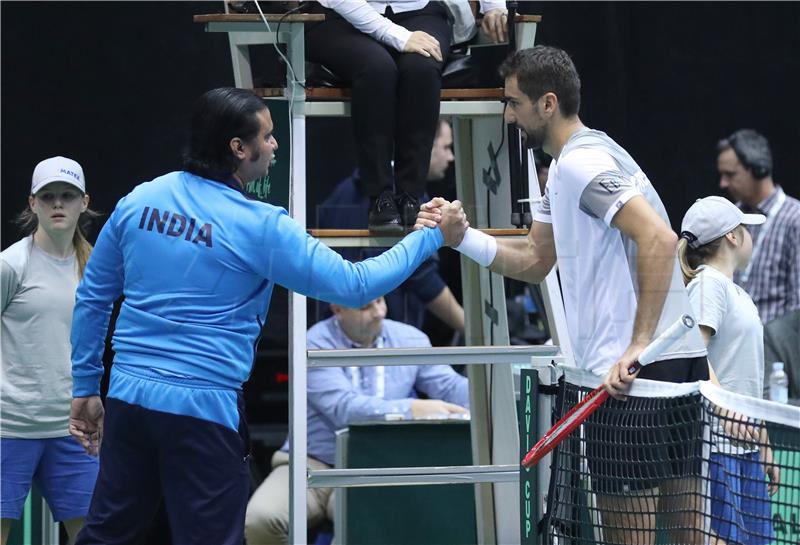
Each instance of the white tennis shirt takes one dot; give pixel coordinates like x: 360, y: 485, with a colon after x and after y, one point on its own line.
x: 587, y: 185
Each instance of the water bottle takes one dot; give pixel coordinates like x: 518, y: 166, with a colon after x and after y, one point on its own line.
x: 778, y: 384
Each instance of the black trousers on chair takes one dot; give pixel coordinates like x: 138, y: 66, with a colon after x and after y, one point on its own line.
x: 395, y: 102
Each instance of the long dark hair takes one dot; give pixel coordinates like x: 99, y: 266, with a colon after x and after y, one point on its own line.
x: 28, y: 223
x: 218, y: 116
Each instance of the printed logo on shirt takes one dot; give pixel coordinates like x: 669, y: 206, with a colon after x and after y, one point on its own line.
x: 613, y: 182
x: 176, y: 225
x: 609, y: 182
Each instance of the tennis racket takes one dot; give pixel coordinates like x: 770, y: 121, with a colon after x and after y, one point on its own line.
x: 580, y: 412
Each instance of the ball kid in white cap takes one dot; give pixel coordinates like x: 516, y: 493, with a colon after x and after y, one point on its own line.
x: 714, y: 245
x: 40, y: 274
x: 712, y: 232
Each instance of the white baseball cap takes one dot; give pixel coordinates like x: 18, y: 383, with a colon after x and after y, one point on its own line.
x: 57, y: 169
x: 710, y: 218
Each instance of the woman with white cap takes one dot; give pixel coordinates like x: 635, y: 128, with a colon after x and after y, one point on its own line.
x: 40, y: 274
x: 714, y: 243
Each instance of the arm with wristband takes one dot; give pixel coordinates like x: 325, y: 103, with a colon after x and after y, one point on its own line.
x: 529, y: 259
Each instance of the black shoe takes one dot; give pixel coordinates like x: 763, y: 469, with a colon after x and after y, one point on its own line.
x: 383, y: 215
x: 408, y: 206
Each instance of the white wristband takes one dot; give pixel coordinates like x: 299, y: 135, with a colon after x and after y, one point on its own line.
x: 478, y: 246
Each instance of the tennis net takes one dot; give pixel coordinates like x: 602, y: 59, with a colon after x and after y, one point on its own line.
x: 675, y: 464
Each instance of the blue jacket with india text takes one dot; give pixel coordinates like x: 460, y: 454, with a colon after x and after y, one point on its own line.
x: 196, y: 261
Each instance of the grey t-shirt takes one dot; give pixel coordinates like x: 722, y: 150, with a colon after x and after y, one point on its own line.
x: 736, y: 350
x: 38, y: 295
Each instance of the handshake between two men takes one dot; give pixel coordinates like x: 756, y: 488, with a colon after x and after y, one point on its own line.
x: 518, y: 260
x: 448, y: 216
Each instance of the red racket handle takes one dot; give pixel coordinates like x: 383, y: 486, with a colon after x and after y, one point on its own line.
x: 596, y: 398
x: 544, y: 445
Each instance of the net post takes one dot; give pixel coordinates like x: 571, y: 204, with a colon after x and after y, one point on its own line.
x: 705, y: 476
x: 528, y: 413
x: 548, y: 376
x: 535, y: 415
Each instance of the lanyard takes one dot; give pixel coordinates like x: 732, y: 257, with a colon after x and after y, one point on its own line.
x: 380, y: 375
x: 779, y: 200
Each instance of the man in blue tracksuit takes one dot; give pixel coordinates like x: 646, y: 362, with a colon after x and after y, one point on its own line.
x: 196, y: 260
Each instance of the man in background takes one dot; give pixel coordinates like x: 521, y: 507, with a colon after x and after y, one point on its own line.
x: 744, y: 162
x: 339, y: 396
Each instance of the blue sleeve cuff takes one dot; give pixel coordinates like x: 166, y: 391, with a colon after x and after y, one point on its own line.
x: 86, y: 386
x: 439, y: 236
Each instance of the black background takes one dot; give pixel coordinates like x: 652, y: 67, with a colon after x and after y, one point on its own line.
x: 111, y: 84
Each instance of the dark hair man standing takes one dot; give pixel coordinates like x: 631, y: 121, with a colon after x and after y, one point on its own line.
x: 196, y: 260
x: 622, y: 286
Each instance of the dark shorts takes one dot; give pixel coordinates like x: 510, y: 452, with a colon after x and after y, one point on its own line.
x: 199, y: 468
x: 636, y: 444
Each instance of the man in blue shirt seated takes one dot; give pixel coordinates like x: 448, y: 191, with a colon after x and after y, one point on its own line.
x: 346, y: 208
x: 338, y: 396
